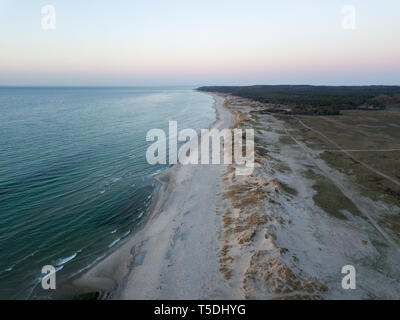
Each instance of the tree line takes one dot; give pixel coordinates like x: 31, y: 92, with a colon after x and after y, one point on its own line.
x: 307, y: 99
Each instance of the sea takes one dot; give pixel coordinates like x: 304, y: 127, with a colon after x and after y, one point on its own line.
x: 74, y: 179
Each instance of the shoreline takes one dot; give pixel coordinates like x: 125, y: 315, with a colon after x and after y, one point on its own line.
x: 211, y: 234
x: 110, y: 275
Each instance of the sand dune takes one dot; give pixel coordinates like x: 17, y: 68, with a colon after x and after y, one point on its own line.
x: 212, y: 234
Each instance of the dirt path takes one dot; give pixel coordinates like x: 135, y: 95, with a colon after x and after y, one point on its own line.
x: 346, y: 152
x: 362, y: 206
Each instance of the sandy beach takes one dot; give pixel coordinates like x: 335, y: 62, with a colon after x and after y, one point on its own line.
x: 173, y: 255
x: 202, y: 151
x: 283, y: 232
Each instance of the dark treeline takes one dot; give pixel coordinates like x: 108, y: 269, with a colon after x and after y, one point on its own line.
x: 306, y: 99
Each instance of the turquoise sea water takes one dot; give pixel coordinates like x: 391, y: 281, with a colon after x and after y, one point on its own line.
x: 74, y: 180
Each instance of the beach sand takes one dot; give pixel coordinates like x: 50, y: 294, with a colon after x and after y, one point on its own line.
x: 283, y: 232
x: 173, y: 255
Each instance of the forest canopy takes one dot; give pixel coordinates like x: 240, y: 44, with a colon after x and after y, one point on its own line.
x: 307, y: 99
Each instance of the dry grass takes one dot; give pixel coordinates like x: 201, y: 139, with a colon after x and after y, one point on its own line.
x: 272, y: 277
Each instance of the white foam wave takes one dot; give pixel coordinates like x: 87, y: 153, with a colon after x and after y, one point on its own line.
x: 126, y: 233
x: 63, y: 261
x: 112, y: 244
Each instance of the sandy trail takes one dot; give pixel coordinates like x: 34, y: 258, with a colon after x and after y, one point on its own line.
x: 286, y: 245
x: 333, y: 178
x: 174, y: 254
x: 346, y: 152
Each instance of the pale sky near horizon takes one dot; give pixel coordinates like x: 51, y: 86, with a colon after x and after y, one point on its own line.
x: 204, y: 42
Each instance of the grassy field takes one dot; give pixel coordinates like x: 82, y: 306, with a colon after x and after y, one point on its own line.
x: 324, y: 193
x: 364, y: 145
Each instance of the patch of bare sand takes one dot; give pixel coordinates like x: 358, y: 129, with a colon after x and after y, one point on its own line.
x: 247, y: 233
x: 276, y: 239
x: 273, y: 240
x: 174, y: 254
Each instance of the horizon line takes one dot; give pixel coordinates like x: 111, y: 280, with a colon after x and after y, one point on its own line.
x: 192, y: 86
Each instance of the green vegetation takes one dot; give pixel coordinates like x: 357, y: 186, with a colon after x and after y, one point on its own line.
x: 319, y: 100
x: 330, y: 198
x: 288, y: 189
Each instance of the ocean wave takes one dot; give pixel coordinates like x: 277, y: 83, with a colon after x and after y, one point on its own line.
x: 156, y: 172
x: 126, y: 233
x: 58, y: 268
x: 24, y: 259
x: 63, y: 261
x: 112, y: 244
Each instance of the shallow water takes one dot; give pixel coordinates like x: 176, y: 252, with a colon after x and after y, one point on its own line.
x: 74, y: 180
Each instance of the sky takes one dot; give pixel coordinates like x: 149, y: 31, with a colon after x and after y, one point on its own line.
x: 208, y: 42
